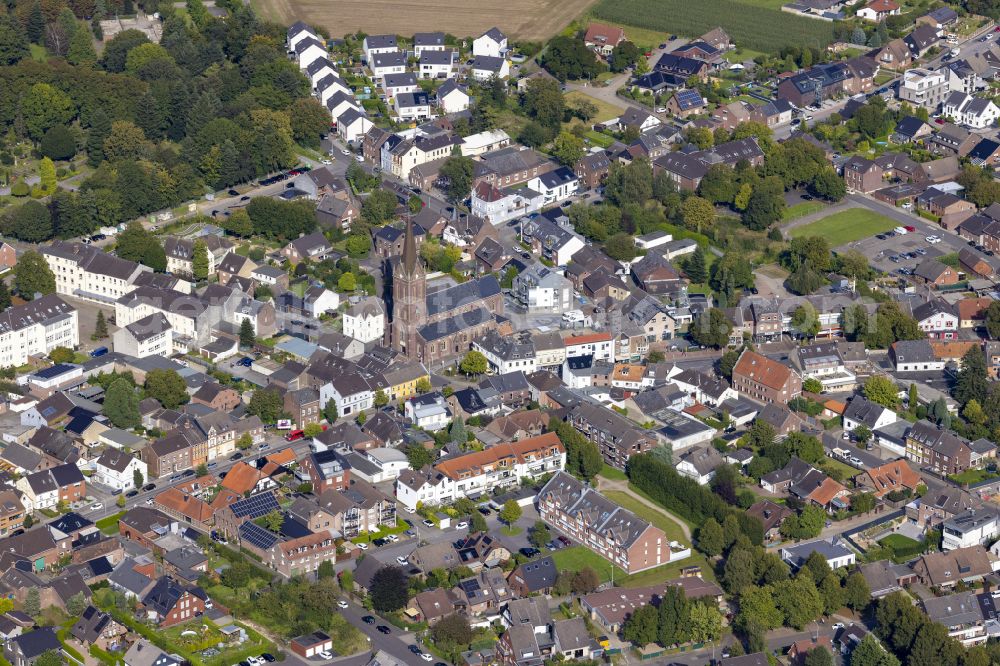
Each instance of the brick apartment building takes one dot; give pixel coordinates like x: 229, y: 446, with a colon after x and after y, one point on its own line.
x: 764, y: 380
x: 601, y: 525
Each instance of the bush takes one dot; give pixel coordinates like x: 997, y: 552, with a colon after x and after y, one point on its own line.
x: 20, y: 189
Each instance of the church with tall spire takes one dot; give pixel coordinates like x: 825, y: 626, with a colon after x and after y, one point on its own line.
x: 409, y: 295
x: 439, y: 326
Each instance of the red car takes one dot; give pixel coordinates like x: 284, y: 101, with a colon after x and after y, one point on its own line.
x: 295, y: 435
x: 911, y: 229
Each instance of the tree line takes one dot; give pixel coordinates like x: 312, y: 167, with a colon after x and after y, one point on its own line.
x: 215, y: 103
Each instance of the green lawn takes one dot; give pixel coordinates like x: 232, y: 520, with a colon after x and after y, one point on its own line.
x: 575, y: 558
x: 802, y: 209
x: 845, y: 469
x: 669, y: 527
x: 109, y: 525
x: 971, y: 476
x: 605, y: 111
x: 846, y: 226
x: 884, y: 77
x: 897, y: 541
x: 612, y: 473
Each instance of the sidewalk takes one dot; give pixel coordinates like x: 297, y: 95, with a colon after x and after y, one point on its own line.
x: 622, y: 486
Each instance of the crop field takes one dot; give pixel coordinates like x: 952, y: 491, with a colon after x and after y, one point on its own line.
x: 520, y: 19
x: 755, y: 24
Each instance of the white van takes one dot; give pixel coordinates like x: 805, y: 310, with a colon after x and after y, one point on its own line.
x: 901, y: 231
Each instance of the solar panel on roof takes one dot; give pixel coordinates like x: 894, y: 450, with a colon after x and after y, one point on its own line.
x: 257, y: 536
x: 255, y: 506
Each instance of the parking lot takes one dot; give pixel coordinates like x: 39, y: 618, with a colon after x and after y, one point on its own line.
x: 900, y: 254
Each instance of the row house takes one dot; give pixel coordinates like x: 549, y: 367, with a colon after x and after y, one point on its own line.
x: 481, y: 472
x: 612, y: 532
x: 941, y: 450
x: 46, y: 489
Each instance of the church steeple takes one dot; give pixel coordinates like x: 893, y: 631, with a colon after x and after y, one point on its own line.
x: 410, y: 261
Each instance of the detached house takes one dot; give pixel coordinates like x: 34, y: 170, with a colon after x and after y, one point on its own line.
x: 116, y: 469
x: 170, y: 602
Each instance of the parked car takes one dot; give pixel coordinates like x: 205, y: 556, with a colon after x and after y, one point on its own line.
x: 368, y: 619
x: 341, y: 604
x: 462, y: 525
x: 429, y: 523
x: 382, y: 629
x: 323, y: 654
x: 529, y: 552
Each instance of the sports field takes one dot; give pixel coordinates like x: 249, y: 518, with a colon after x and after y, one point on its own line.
x: 520, y: 19
x: 846, y: 226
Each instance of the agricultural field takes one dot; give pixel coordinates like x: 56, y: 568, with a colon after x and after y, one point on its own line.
x: 846, y: 226
x: 756, y: 24
x: 519, y: 19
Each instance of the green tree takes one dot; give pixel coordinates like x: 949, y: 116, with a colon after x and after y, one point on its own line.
x: 675, y: 617
x: 758, y: 609
x: 30, y: 222
x: 100, y: 327
x: 829, y: 185
x: 49, y: 658
x: 347, y: 282
x: 61, y: 355
x: 585, y: 581
x: 199, y: 260
x: 271, y: 521
x: 121, y: 404
x: 309, y: 121
x: 137, y: 478
x: 381, y: 399
x: 477, y: 523
x: 882, y: 391
x: 510, y: 512
x: 457, y: 171
x: 35, y: 25
x: 81, y: 48
x: 325, y: 570
x: 739, y: 571
x: 857, y: 596
x: 166, y: 386
x: 832, y: 594
x: 474, y: 363
x: 453, y: 631
x: 641, y: 626
x: 389, y: 589
x: 266, y: 404
x: 710, y: 538
x: 819, y: 655
x: 47, y: 175
x: 378, y: 208
x: 705, y: 623
x: 712, y: 328
x: 870, y: 653
x: 33, y: 603
x: 798, y: 600
x: 695, y: 268
x: 244, y: 442
x: 423, y: 385
x: 568, y: 149
x: 247, y: 335
x: 540, y: 534
x: 13, y: 42
x: 697, y: 214
x: 805, y: 320
x: 973, y: 383
x: 812, y: 385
